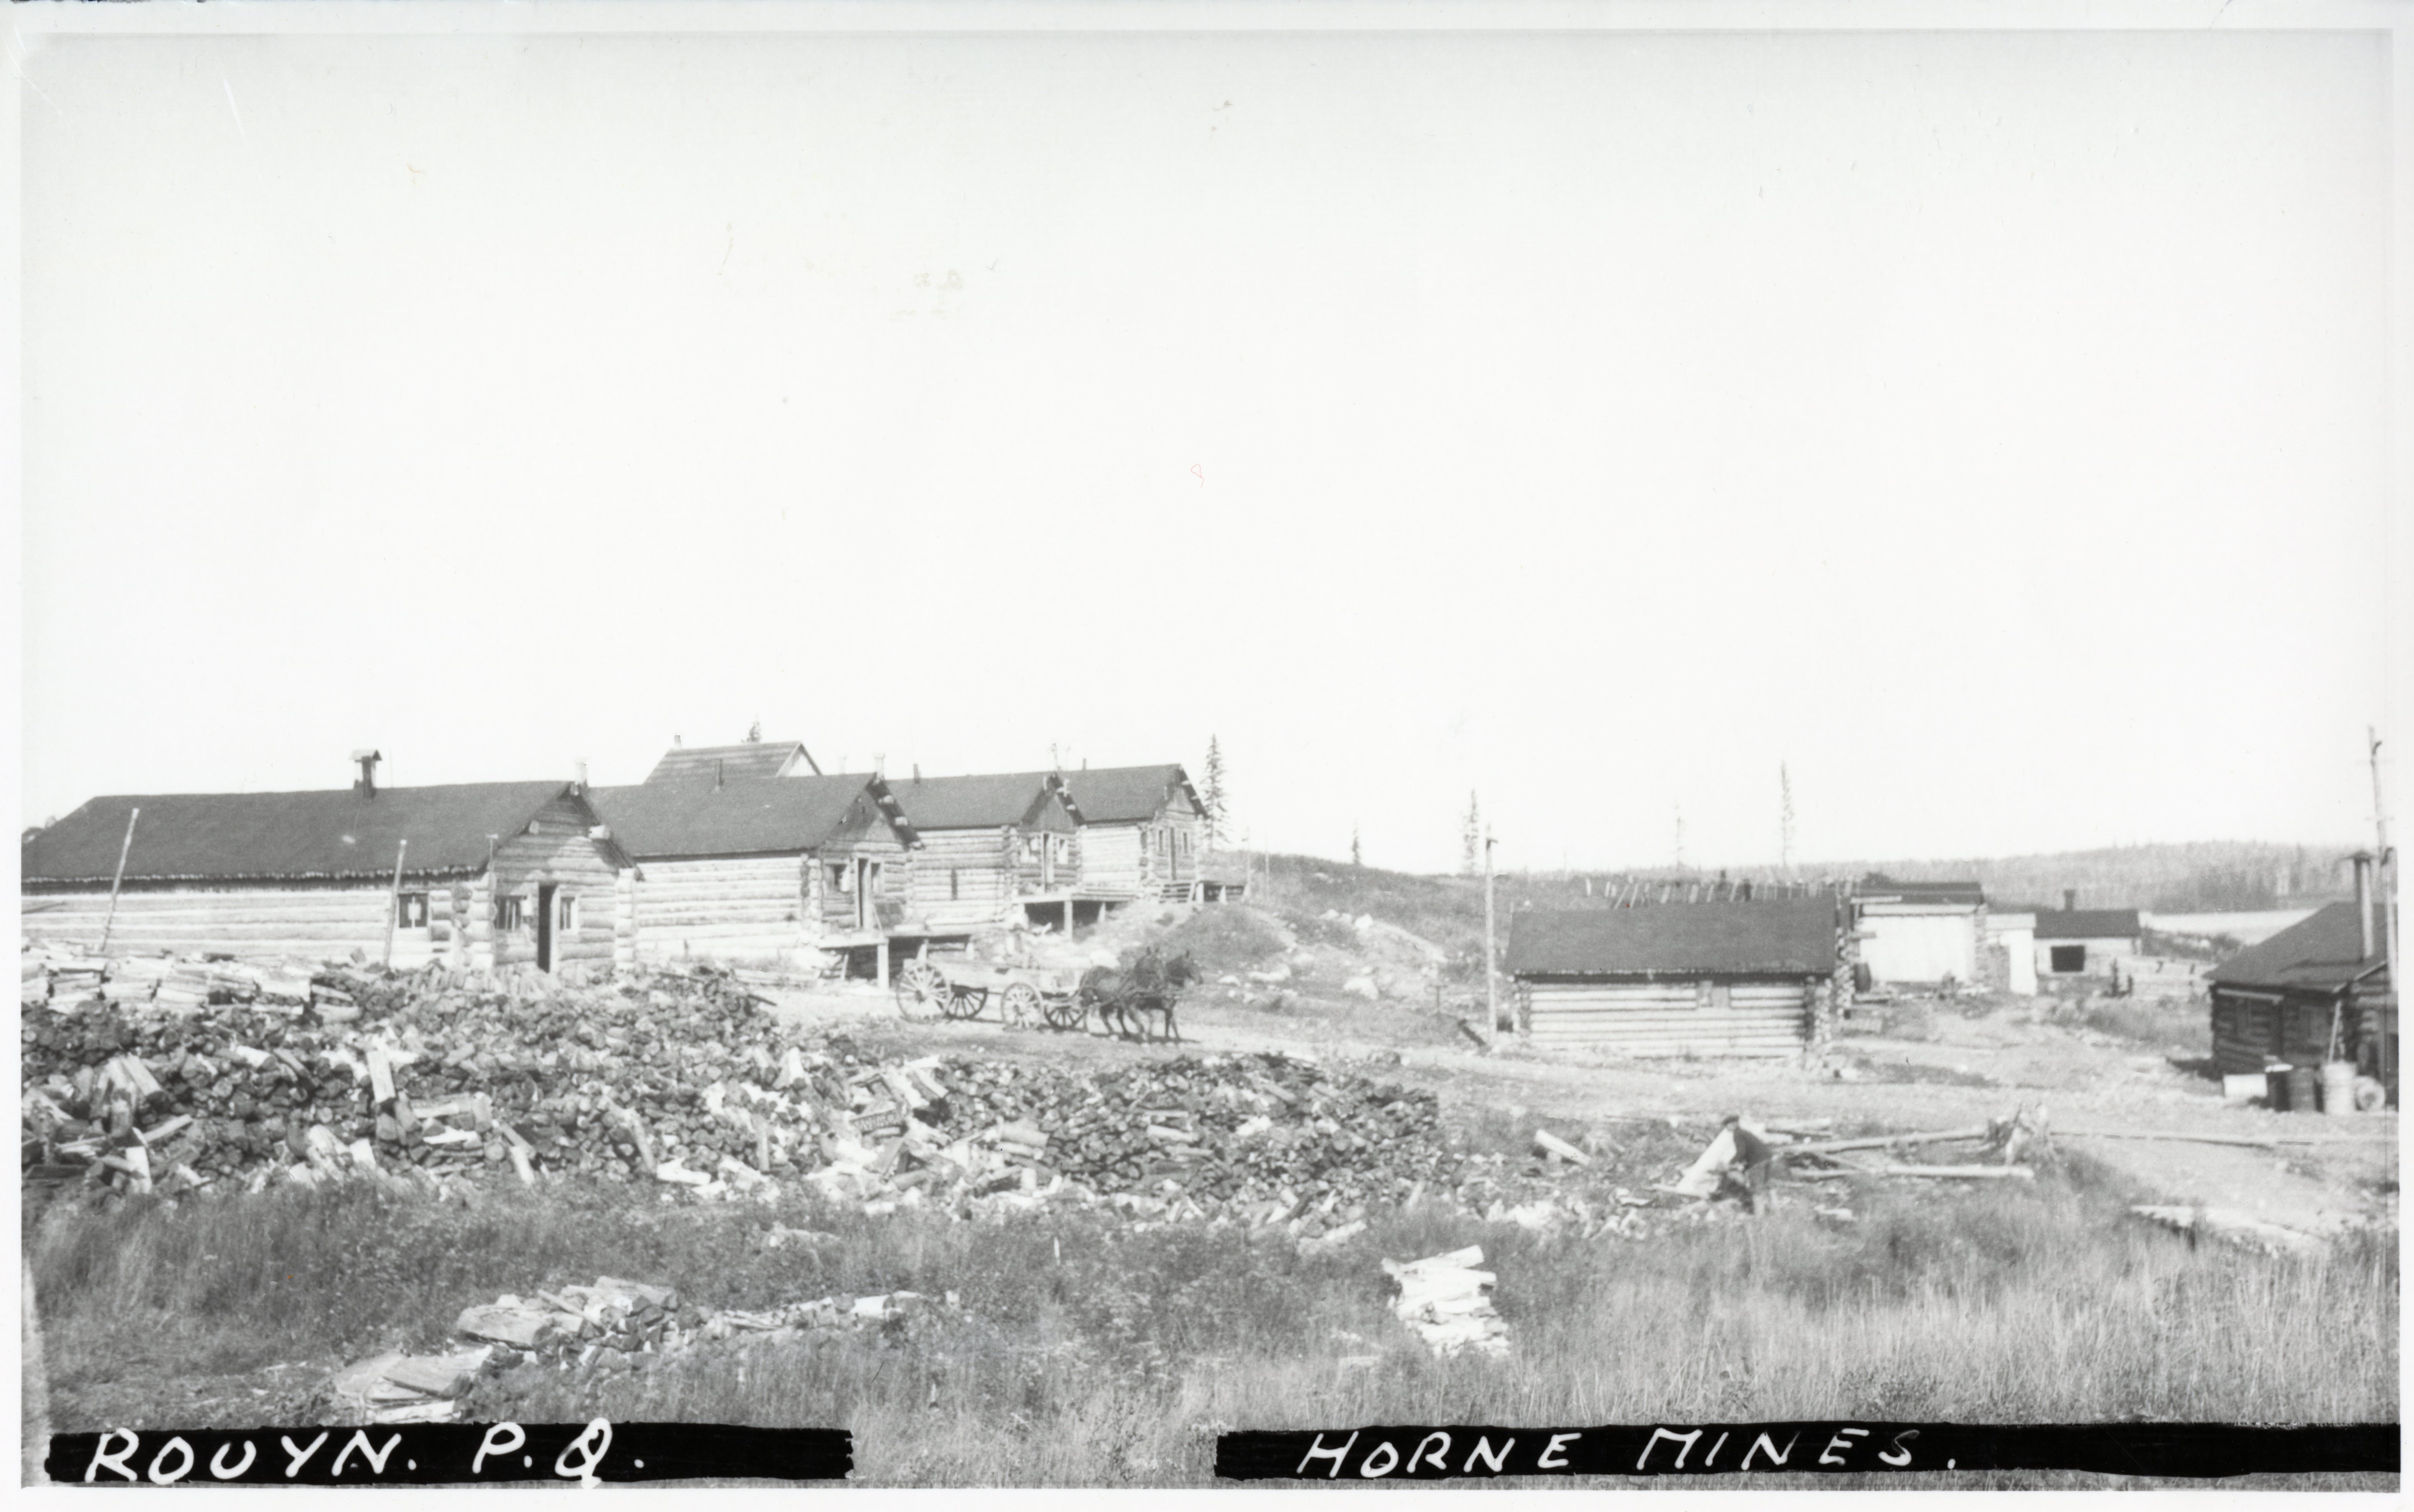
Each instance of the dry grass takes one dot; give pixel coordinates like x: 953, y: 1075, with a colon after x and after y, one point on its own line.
x: 1085, y: 1353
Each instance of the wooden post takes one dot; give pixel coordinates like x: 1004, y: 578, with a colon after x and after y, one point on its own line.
x: 117, y: 881
x: 880, y: 960
x: 2385, y: 880
x: 1491, y: 971
x: 394, y: 899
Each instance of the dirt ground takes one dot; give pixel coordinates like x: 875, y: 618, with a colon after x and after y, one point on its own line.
x: 1924, y: 1064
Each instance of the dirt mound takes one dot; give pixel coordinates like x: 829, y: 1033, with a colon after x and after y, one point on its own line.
x: 1232, y: 937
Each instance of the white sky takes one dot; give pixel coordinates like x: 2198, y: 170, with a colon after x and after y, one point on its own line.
x: 1989, y: 426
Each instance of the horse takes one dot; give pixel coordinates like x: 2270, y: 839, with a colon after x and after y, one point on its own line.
x: 1124, y: 996
x: 1157, y: 993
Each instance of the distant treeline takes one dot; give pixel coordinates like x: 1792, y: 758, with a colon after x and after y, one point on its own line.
x: 2198, y: 877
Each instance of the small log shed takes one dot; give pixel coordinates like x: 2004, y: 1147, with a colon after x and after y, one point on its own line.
x: 2318, y: 990
x: 1723, y: 979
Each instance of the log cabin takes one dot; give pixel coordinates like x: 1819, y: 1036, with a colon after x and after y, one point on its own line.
x: 723, y: 763
x: 760, y: 869
x: 491, y: 874
x: 991, y: 846
x: 1140, y: 832
x: 1727, y: 978
x: 2319, y: 990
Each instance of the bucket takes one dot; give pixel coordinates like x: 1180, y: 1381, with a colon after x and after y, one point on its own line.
x: 2305, y: 1090
x: 2338, y: 1085
x: 2275, y: 1078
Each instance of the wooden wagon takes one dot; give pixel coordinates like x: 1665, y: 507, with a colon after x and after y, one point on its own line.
x: 962, y: 989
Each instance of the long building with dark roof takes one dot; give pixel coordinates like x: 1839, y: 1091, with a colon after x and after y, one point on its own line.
x: 475, y: 873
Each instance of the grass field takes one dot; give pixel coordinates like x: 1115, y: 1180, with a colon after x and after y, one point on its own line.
x: 1084, y: 1352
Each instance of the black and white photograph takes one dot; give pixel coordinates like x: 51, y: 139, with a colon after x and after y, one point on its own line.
x: 1118, y: 746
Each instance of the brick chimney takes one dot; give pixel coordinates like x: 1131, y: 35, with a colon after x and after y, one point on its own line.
x: 2070, y: 901
x: 367, y: 783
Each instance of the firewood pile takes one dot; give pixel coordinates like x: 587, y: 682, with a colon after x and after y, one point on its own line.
x: 678, y: 1079
x: 611, y: 1328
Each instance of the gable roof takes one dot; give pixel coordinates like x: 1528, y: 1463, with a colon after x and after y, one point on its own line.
x: 2324, y: 951
x: 752, y: 757
x: 1793, y: 935
x: 2088, y: 924
x: 1122, y: 794
x: 320, y: 835
x: 759, y: 816
x: 981, y: 802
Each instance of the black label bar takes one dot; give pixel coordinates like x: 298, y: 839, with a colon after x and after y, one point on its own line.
x: 440, y: 1454
x: 2197, y: 1450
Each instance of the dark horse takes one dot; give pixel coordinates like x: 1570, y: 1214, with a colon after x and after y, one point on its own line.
x: 1124, y: 996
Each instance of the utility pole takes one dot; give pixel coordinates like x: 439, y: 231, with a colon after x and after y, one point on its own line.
x: 394, y: 898
x: 1491, y: 975
x: 115, y: 883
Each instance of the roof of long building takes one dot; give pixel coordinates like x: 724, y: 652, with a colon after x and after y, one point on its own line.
x: 316, y: 835
x: 977, y: 802
x: 1120, y: 795
x: 2324, y: 951
x: 756, y: 816
x: 752, y: 758
x: 1794, y: 936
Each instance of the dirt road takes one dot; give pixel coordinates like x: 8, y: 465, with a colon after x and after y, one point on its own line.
x: 1967, y: 1072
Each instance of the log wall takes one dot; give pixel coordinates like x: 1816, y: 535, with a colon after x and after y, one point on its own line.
x: 964, y: 875
x: 2251, y: 1030
x: 732, y: 908
x: 1761, y: 1019
x: 248, y: 922
x: 1110, y: 860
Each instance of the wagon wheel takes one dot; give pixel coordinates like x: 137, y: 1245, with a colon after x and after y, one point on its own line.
x: 1023, y: 1002
x: 920, y: 988
x: 1064, y: 1013
x: 965, y: 1002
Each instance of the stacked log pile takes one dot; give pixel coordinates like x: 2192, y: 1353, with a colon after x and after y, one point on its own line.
x: 676, y: 1079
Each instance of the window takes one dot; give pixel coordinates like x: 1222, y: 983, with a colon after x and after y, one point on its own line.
x: 411, y: 910
x: 511, y: 914
x: 841, y: 876
x: 565, y: 914
x: 2068, y: 957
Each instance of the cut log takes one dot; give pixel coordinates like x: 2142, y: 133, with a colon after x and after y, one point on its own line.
x: 1552, y: 1144
x: 1940, y: 1136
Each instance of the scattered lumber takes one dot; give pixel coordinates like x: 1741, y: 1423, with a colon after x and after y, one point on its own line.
x: 2234, y: 1226
x: 2246, y: 1141
x: 1939, y: 1137
x: 1943, y: 1172
x: 1441, y: 1299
